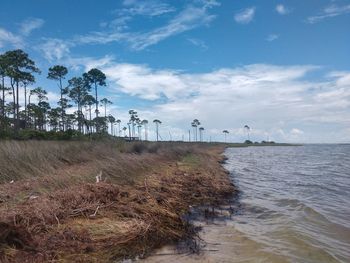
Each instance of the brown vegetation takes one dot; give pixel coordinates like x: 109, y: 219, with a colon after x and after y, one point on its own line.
x: 52, y: 209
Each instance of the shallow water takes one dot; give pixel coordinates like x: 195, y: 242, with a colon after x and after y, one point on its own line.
x: 294, y: 207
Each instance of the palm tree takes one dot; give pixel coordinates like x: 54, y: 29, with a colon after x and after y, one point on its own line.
x: 247, y: 128
x: 157, y: 123
x: 201, y: 129
x: 225, y: 133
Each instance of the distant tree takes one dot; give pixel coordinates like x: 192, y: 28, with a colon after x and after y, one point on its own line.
x: 201, y: 130
x: 195, y: 123
x: 77, y: 93
x: 124, y: 129
x: 40, y: 110
x: 3, y: 65
x: 19, y: 68
x: 58, y: 73
x: 247, y: 129
x: 54, y: 115
x: 104, y: 102
x: 27, y: 82
x: 145, y: 125
x: 225, y: 133
x: 96, y: 78
x: 111, y: 120
x: 119, y: 131
x: 157, y: 123
x: 88, y: 101
x: 133, y: 119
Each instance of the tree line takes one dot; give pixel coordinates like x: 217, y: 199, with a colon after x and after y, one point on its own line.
x: 19, y: 112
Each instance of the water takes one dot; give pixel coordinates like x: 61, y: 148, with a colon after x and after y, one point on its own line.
x: 294, y: 207
x: 295, y: 200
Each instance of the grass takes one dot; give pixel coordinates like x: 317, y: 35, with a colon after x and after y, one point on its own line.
x: 52, y: 209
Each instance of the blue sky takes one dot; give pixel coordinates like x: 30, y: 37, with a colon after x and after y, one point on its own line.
x: 282, y: 67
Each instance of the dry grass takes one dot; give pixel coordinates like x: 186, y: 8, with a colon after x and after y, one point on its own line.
x: 60, y: 214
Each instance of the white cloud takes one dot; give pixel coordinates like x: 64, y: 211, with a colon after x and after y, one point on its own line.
x: 30, y: 24
x: 8, y: 38
x: 245, y: 16
x: 272, y: 37
x: 188, y: 19
x: 191, y: 17
x: 55, y: 49
x: 198, y: 43
x: 282, y: 10
x: 146, y: 8
x: 277, y: 102
x: 328, y: 12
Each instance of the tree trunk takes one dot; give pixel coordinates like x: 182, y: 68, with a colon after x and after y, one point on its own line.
x: 17, y: 106
x: 96, y: 100
x: 62, y: 109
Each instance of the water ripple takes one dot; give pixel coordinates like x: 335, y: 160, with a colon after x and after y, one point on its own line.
x: 295, y: 200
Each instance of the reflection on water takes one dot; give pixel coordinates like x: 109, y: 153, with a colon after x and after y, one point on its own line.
x: 294, y: 207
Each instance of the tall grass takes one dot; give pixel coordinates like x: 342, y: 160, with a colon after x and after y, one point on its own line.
x: 56, y: 209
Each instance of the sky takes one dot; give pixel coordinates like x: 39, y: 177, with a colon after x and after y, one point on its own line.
x: 280, y: 67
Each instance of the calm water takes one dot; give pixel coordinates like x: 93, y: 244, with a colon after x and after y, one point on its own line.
x: 294, y: 207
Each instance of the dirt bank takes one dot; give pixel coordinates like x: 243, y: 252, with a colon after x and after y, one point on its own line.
x: 139, y: 203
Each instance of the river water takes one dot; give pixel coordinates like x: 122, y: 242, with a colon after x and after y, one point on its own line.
x: 294, y: 206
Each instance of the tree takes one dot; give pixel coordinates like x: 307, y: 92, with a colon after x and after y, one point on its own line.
x: 157, y: 123
x: 225, y: 133
x: 145, y: 125
x: 195, y: 123
x: 111, y: 120
x: 88, y: 101
x: 201, y: 129
x: 104, y: 102
x: 54, y: 115
x: 247, y: 128
x: 27, y: 82
x: 79, y: 90
x: 96, y: 78
x: 132, y: 121
x: 41, y: 109
x: 19, y: 68
x: 124, y: 129
x: 3, y: 66
x: 118, y: 121
x: 58, y: 72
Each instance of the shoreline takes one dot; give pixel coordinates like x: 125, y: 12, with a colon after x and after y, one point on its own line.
x: 115, y: 219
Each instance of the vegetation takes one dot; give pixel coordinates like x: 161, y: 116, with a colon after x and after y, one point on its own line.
x: 225, y: 132
x: 102, y: 201
x: 40, y: 120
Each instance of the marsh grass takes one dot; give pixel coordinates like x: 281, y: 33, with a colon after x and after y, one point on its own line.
x: 146, y: 189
